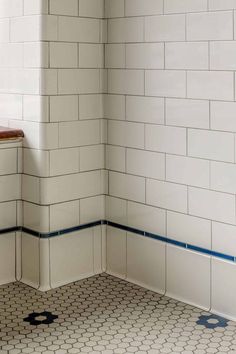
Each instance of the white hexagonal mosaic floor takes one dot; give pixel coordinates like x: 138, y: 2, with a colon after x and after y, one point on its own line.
x: 106, y: 315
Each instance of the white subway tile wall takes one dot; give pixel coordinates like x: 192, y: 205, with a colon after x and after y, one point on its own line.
x: 52, y: 87
x: 171, y: 118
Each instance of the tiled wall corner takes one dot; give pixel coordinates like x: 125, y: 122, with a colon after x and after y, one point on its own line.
x: 171, y: 138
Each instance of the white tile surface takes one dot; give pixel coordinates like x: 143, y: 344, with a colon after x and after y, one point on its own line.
x: 116, y: 252
x: 146, y: 218
x: 187, y: 113
x: 146, y: 262
x: 7, y: 258
x: 211, y: 145
x: 223, y: 288
x: 166, y: 195
x: 188, y: 277
x: 79, y: 265
x: 189, y: 229
x: 212, y: 205
x: 186, y: 170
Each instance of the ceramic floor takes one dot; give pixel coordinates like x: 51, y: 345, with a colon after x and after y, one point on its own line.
x: 106, y: 315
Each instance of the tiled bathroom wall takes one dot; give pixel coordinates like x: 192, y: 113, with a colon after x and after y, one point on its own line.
x: 52, y: 82
x: 135, y: 100
x: 10, y: 210
x: 171, y: 147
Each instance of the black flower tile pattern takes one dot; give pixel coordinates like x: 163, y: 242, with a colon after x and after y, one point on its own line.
x: 36, y: 319
x: 106, y: 315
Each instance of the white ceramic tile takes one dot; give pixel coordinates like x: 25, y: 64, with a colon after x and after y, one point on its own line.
x: 72, y: 29
x: 64, y: 161
x: 145, y: 109
x: 211, y: 145
x: 125, y: 30
x: 91, y: 55
x: 145, y: 163
x: 165, y: 28
x: 8, y: 161
x: 212, y: 205
x: 127, y: 186
x: 92, y: 209
x: 64, y: 215
x: 7, y: 258
x: 78, y: 186
x: 115, y: 158
x: 35, y: 7
x: 182, y: 6
x: 10, y: 106
x: 130, y: 82
x: 170, y: 83
x: 79, y: 265
x: 186, y: 55
x: 36, y: 55
x: 223, y: 177
x: 187, y: 113
x: 188, y: 277
x: 222, y: 4
x: 166, y: 195
x: 114, y: 8
x: 222, y: 55
x: 114, y: 107
x: 186, y: 170
x: 189, y: 229
x: 36, y: 217
x: 223, y: 288
x: 212, y: 85
x: 59, y: 7
x: 146, y: 218
x: 116, y: 252
x: 165, y: 139
x: 145, y: 56
x: 11, y: 8
x: 90, y: 106
x: 63, y: 55
x: 126, y: 134
x: 91, y: 8
x: 79, y: 133
x: 30, y: 189
x: 36, y: 108
x: 223, y: 238
x: 30, y: 260
x: 36, y: 162
x: 116, y: 210
x: 210, y: 26
x: 115, y: 56
x: 146, y: 262
x: 10, y: 187
x: 223, y: 116
x: 63, y: 108
x: 143, y: 7
x: 8, y: 211
x: 92, y: 157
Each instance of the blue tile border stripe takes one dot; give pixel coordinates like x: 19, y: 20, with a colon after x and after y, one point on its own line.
x: 125, y: 228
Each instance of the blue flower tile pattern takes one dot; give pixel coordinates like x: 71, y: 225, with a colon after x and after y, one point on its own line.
x: 106, y: 315
x: 212, y: 321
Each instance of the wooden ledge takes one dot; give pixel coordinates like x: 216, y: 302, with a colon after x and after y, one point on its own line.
x: 9, y: 133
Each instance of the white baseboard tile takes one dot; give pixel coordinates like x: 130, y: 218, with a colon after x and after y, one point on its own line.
x: 7, y: 258
x: 146, y: 262
x: 30, y: 260
x: 224, y: 288
x: 188, y: 277
x: 72, y: 257
x: 116, y: 252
